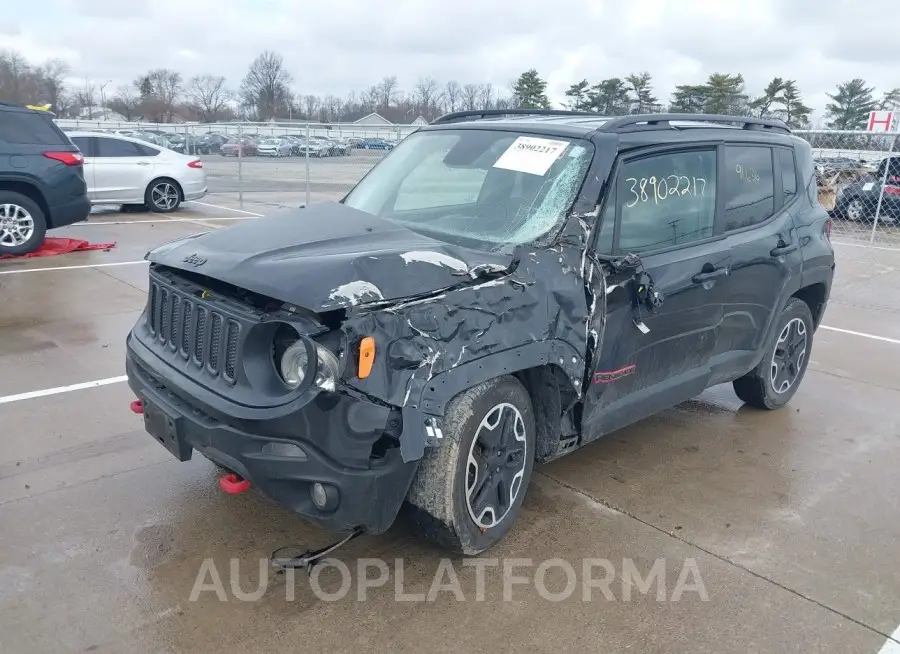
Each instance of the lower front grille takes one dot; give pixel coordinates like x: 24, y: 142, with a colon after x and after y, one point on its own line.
x: 187, y: 326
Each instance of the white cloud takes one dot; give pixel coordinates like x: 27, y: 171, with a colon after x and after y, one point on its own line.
x: 344, y: 45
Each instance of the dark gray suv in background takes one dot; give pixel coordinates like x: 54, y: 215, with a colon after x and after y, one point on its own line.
x: 41, y: 179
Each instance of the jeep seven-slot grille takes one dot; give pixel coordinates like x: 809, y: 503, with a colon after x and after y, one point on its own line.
x: 187, y: 326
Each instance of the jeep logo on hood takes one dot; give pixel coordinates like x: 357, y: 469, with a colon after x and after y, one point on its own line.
x: 194, y: 260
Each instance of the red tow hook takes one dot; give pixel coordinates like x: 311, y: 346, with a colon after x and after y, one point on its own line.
x: 232, y: 484
x: 137, y: 406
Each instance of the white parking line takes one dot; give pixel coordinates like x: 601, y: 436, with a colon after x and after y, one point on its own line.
x: 87, y: 265
x: 892, y: 644
x: 217, y: 206
x: 62, y: 389
x: 862, y: 334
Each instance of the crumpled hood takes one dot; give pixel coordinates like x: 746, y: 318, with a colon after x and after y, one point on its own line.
x: 326, y: 256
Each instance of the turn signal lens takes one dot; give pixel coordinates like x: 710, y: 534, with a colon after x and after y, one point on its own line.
x: 366, y: 357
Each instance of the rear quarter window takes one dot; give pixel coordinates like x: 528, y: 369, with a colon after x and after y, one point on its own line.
x: 25, y: 128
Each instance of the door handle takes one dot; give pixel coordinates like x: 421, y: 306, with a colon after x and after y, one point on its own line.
x: 143, y: 163
x: 782, y: 250
x: 699, y: 278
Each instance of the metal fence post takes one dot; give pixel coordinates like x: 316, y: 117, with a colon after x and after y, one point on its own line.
x: 240, y: 167
x: 884, y: 176
x: 307, y: 163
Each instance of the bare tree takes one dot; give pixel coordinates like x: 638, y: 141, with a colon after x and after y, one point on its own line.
x: 310, y: 105
x: 471, y: 94
x: 208, y: 94
x: 167, y: 87
x: 84, y: 98
x: 125, y: 101
x: 486, y: 96
x: 453, y: 94
x: 54, y: 73
x: 267, y: 85
x: 387, y: 91
x: 427, y: 95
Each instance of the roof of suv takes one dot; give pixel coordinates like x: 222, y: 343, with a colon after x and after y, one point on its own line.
x: 579, y: 124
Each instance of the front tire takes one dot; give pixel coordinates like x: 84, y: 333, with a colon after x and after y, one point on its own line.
x: 468, y: 491
x: 22, y: 224
x: 774, y: 381
x: 163, y: 196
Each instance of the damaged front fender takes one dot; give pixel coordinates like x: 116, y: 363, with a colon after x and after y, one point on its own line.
x: 431, y: 349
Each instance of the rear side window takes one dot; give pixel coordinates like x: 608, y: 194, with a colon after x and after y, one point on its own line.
x: 666, y: 200
x: 115, y: 148
x: 788, y: 173
x: 146, y: 150
x: 22, y: 128
x: 749, y: 186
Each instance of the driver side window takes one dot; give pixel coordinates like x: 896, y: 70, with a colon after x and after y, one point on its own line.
x: 665, y: 200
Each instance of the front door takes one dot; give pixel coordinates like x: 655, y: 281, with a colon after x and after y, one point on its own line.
x: 664, y: 211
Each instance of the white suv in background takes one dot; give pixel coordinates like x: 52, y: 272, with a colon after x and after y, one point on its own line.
x: 128, y: 171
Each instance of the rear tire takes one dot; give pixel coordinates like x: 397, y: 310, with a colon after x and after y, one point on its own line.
x: 163, y: 195
x: 468, y: 491
x: 22, y: 224
x: 774, y: 381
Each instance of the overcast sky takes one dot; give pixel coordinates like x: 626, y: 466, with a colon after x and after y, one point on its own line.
x: 336, y: 46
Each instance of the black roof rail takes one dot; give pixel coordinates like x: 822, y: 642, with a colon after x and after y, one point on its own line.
x: 478, y: 114
x: 621, y: 123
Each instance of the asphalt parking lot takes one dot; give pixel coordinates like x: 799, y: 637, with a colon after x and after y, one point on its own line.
x: 776, y: 531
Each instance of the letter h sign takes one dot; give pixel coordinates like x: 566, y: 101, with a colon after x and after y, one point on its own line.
x: 881, y: 121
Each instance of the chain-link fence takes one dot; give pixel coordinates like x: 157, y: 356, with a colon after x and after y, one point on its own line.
x: 859, y: 183
x: 271, y: 164
x: 288, y: 164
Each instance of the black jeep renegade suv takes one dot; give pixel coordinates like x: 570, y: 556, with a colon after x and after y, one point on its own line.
x: 501, y: 289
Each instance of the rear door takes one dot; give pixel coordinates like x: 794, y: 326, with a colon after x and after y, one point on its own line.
x: 664, y: 210
x: 759, y: 188
x: 122, y: 171
x: 87, y: 145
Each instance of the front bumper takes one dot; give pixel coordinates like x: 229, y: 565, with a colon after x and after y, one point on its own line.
x: 282, y: 456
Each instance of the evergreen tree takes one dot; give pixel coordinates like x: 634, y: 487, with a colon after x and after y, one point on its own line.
x: 641, y: 88
x: 850, y: 105
x: 531, y: 91
x: 579, y: 96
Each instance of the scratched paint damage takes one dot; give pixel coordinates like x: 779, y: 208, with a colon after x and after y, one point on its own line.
x: 443, y: 317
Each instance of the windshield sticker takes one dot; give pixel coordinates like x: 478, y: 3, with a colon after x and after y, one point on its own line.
x: 531, y: 155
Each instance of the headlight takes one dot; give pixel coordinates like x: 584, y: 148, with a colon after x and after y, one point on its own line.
x: 295, y: 364
x: 327, y: 368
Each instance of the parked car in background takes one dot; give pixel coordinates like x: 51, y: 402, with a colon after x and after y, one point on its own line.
x: 859, y: 200
x: 127, y: 171
x: 234, y: 147
x: 315, y: 148
x: 375, y: 144
x: 210, y: 143
x: 42, y: 183
x: 274, y: 146
x: 334, y: 147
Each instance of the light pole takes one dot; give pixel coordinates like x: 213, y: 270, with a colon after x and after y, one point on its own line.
x: 103, y: 99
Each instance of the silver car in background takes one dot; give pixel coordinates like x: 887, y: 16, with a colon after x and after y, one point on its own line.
x: 274, y: 147
x: 128, y: 171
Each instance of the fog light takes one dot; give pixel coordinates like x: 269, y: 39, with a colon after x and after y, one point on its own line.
x: 324, y: 496
x: 319, y: 496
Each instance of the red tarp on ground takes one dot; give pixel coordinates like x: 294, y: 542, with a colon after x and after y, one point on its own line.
x: 52, y: 246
